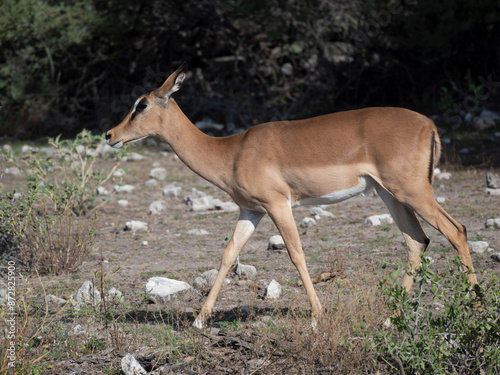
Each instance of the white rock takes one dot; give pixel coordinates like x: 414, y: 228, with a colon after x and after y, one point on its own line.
x: 145, y: 243
x: 101, y: 190
x: 308, y: 222
x: 198, y: 232
x: 376, y: 220
x: 136, y: 226
x: 7, y: 147
x: 172, y: 191
x: 207, y: 279
x: 493, y: 191
x: 318, y: 213
x: 245, y: 270
x: 195, y: 193
x: 201, y: 204
x: 88, y: 294
x: 158, y: 173
x: 478, y: 247
x: 486, y: 119
x: 78, y: 330
x: 104, y: 149
x: 496, y: 257
x: 276, y: 243
x: 115, y: 295
x: 225, y: 206
x: 492, y: 180
x: 26, y: 148
x: 50, y: 298
x: 151, y: 182
x: 120, y: 172
x: 130, y: 366
x: 163, y: 289
x: 133, y: 157
x: 273, y: 290
x: 123, y: 203
x: 493, y: 223
x: 440, y: 199
x: 157, y: 207
x: 443, y: 176
x: 124, y: 189
x: 15, y: 171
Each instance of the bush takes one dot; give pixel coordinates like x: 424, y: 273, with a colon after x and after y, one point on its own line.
x: 68, y: 177
x: 444, y: 327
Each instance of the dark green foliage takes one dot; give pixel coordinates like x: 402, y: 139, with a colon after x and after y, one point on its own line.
x: 64, y: 66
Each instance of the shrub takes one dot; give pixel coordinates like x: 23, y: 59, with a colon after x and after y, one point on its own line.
x: 460, y: 336
x: 68, y: 178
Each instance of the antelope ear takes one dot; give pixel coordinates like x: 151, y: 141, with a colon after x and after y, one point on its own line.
x: 174, y: 82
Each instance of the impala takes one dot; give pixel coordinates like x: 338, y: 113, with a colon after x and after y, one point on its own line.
x: 275, y: 166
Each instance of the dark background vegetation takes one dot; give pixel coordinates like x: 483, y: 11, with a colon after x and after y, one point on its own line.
x: 68, y: 65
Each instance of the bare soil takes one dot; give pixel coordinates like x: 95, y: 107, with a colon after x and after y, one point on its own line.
x: 127, y: 262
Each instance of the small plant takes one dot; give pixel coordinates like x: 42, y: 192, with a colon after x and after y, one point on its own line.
x: 462, y: 336
x: 68, y: 178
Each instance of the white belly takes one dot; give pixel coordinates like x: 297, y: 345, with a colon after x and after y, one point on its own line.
x: 365, y: 184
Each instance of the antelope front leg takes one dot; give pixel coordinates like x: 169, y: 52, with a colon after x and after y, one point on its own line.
x: 283, y: 219
x: 247, y: 222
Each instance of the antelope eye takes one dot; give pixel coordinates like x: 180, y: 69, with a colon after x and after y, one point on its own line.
x: 141, y: 107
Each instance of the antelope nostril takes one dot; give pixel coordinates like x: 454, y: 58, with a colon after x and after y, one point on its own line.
x: 108, y: 136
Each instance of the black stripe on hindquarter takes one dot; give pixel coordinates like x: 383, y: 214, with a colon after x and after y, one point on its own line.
x: 431, y: 159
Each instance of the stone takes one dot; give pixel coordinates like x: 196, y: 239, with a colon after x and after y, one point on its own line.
x: 157, y: 207
x: 120, y: 172
x: 88, y: 294
x: 276, y: 243
x: 123, y: 203
x: 492, y: 180
x: 164, y: 289
x: 198, y: 232
x: 201, y: 204
x: 124, y: 189
x: 486, y: 119
x: 318, y: 213
x: 172, y: 191
x: 273, y: 290
x: 478, y: 247
x: 495, y: 257
x: 136, y: 226
x: 308, y: 222
x: 245, y: 270
x: 440, y: 199
x: 26, y: 149
x: 225, y: 206
x: 115, y: 295
x: 50, y: 298
x: 101, y: 190
x: 130, y: 366
x: 15, y: 171
x: 493, y: 223
x: 493, y: 191
x: 376, y: 220
x: 207, y: 279
x: 133, y: 157
x: 151, y: 182
x: 158, y: 173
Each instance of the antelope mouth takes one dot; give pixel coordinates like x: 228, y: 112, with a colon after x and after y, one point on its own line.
x: 118, y: 144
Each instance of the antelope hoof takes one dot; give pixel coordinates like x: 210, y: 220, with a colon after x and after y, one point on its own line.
x: 198, y: 323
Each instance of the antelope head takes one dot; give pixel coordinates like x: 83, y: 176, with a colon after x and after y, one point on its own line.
x: 148, y: 112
